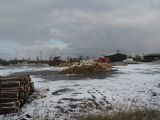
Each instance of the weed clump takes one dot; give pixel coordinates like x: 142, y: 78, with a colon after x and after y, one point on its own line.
x: 147, y: 114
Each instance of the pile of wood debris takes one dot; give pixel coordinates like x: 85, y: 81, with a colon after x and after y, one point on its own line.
x: 87, y: 68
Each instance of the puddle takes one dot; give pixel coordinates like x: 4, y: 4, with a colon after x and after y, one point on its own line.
x: 53, y: 75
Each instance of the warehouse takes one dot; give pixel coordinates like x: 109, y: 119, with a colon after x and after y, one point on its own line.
x: 118, y: 57
x: 151, y: 57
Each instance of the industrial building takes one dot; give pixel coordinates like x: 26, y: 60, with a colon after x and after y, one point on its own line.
x: 118, y: 57
x: 151, y: 57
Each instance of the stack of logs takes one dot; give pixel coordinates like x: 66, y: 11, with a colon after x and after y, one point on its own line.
x: 66, y: 64
x: 14, y: 91
x: 87, y: 68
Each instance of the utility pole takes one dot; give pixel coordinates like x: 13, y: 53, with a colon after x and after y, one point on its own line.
x: 41, y: 55
x: 50, y: 58
x: 16, y: 56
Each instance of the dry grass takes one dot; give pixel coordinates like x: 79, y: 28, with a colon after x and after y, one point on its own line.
x: 146, y: 114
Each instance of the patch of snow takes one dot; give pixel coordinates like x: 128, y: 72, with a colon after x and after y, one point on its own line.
x: 133, y: 84
x: 9, y: 70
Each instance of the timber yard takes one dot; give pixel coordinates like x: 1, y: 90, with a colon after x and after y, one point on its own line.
x: 79, y: 59
x: 65, y: 89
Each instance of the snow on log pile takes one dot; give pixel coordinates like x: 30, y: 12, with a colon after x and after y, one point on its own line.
x: 14, y: 91
x: 87, y: 68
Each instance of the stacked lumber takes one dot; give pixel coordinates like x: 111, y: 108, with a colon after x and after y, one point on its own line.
x: 14, y: 91
x: 87, y: 68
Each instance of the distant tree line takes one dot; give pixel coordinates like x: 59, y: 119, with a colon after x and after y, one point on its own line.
x: 53, y: 61
x: 3, y: 62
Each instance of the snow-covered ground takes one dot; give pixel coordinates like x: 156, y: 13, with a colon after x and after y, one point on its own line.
x: 1, y: 67
x: 4, y: 71
x: 133, y: 85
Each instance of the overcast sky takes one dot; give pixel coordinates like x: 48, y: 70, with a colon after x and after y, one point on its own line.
x: 78, y: 27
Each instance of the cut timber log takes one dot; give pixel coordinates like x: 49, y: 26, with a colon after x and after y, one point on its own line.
x: 13, y: 78
x: 7, y: 110
x: 9, y: 94
x: 5, y: 84
x: 10, y: 104
x: 5, y: 100
x: 20, y: 89
x: 17, y: 91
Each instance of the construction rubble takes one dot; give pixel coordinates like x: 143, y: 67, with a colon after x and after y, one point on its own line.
x: 87, y: 68
x: 14, y: 91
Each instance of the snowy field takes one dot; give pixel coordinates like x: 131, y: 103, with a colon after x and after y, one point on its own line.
x: 4, y: 71
x: 136, y: 85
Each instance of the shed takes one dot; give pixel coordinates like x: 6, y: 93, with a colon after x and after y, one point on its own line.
x: 103, y: 60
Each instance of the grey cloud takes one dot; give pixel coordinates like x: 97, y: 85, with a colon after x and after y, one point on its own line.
x: 88, y: 27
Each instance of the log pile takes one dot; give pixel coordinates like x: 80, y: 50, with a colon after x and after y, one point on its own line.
x: 87, y: 68
x: 66, y: 64
x: 14, y: 91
